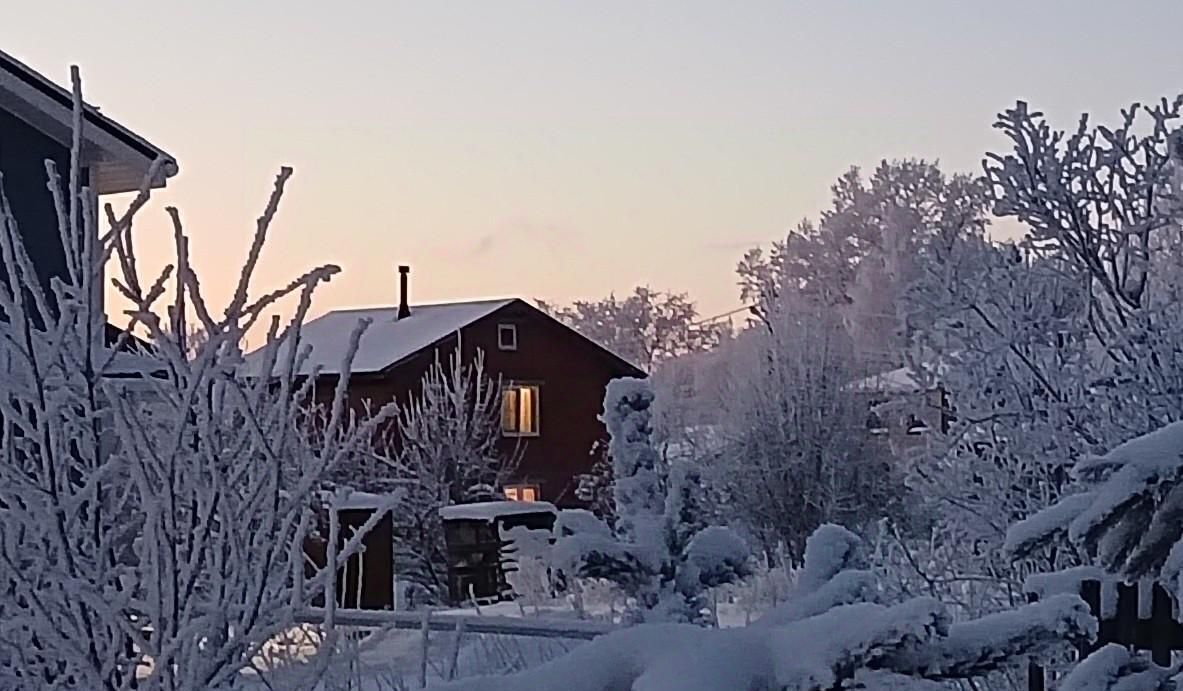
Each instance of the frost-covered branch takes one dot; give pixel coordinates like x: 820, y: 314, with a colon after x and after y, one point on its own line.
x: 153, y: 502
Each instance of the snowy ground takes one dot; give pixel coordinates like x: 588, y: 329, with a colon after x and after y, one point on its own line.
x: 393, y: 660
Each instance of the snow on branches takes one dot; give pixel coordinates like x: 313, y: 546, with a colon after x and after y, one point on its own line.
x: 858, y: 643
x: 1128, y: 512
x: 663, y: 554
x: 445, y: 449
x: 153, y: 502
x: 1113, y: 668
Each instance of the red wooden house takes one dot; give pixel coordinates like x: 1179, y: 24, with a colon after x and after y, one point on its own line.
x: 552, y: 377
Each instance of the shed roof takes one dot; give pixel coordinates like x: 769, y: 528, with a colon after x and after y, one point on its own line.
x: 492, y: 510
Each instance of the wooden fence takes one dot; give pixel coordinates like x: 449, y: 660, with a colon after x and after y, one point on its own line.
x: 1141, y: 617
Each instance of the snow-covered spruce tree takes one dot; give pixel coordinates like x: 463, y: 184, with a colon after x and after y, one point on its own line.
x: 831, y: 634
x: 596, y: 488
x: 445, y: 449
x: 1124, y: 513
x: 663, y: 554
x: 162, y: 510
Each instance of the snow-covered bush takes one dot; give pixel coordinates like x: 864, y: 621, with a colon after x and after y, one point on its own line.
x: 663, y: 554
x: 795, y: 450
x: 527, y: 564
x: 153, y: 503
x: 831, y: 634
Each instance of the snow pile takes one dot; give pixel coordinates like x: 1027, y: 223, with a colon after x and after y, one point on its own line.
x: 808, y: 646
x: 580, y: 521
x: 1113, y: 668
x: 830, y: 550
x: 714, y: 557
x: 492, y: 510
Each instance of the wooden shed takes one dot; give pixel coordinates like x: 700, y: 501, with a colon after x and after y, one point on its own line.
x: 366, y: 581
x: 476, y: 551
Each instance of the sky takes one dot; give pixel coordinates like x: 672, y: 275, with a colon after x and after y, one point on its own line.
x: 559, y: 149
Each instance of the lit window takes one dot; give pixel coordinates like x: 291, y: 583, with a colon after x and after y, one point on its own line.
x: 522, y: 492
x: 519, y: 411
x: 507, y: 336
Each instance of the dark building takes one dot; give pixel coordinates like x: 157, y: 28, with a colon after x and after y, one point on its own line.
x: 36, y: 119
x: 553, y: 378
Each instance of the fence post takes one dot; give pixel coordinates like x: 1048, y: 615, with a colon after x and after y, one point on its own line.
x: 426, y: 643
x: 454, y: 663
x: 1090, y: 592
x: 1035, y: 676
x: 1161, y: 626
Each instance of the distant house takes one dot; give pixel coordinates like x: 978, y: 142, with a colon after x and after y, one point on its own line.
x: 901, y: 409
x: 553, y: 378
x: 36, y: 118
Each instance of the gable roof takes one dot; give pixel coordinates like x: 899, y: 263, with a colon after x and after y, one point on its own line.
x: 389, y: 340
x: 901, y: 380
x: 118, y: 157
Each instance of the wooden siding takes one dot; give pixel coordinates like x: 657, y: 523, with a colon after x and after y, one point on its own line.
x: 23, y: 152
x: 570, y: 371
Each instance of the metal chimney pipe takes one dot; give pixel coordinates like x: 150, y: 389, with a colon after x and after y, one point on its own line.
x: 404, y: 306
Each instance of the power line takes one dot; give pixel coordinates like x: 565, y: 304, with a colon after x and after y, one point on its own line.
x: 737, y: 310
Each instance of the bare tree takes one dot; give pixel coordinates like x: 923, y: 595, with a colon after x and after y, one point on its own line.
x: 795, y: 450
x: 645, y: 328
x: 446, y: 448
x: 161, y: 513
x: 861, y: 255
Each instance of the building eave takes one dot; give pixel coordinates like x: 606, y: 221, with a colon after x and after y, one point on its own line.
x: 118, y: 157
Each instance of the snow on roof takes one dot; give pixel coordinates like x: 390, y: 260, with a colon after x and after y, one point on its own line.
x: 356, y: 500
x: 387, y: 340
x: 902, y: 380
x: 492, y: 510
x: 125, y: 364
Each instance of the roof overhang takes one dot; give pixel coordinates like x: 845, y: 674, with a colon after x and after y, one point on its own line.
x: 118, y: 158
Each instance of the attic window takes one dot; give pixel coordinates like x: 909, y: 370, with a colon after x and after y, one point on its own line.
x: 507, y: 336
x: 916, y: 426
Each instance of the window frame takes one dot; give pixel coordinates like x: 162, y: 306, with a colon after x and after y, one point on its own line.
x: 536, y: 413
x: 517, y: 492
x: 915, y: 426
x: 507, y: 328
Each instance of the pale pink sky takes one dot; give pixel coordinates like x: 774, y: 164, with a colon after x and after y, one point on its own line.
x: 562, y: 149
